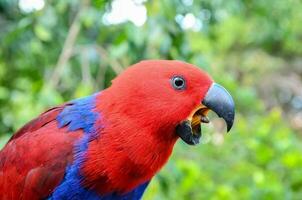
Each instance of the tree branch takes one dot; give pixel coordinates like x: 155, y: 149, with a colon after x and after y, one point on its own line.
x: 68, y: 46
x: 116, y: 66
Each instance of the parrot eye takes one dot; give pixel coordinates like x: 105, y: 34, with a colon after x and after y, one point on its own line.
x: 178, y: 83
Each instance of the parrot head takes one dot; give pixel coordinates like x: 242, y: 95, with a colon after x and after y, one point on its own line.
x: 143, y: 113
x: 174, y: 96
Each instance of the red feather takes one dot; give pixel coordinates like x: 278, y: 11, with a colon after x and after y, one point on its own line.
x: 140, y: 112
x: 33, y: 162
x: 134, y: 137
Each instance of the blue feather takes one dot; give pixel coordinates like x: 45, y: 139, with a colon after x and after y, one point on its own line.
x: 79, y: 114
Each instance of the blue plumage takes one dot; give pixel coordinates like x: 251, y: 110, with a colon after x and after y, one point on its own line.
x: 79, y: 114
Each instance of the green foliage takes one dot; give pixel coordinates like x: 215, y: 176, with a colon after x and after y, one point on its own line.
x: 67, y: 50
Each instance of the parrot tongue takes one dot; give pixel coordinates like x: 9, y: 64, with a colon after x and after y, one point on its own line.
x: 198, y: 118
x: 190, y: 130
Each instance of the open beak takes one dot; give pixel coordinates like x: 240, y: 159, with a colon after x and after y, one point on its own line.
x: 218, y: 100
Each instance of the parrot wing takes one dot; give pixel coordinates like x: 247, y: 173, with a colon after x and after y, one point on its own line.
x: 34, y: 161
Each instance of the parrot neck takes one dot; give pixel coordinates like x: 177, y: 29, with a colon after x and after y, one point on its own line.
x: 128, y: 151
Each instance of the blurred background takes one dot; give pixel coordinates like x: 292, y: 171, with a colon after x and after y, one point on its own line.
x: 56, y: 50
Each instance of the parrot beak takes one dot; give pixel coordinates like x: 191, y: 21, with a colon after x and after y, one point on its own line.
x: 218, y: 100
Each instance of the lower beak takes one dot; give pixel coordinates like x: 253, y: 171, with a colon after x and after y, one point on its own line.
x: 219, y: 101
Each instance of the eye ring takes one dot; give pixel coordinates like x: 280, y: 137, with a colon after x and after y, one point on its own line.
x: 178, y: 83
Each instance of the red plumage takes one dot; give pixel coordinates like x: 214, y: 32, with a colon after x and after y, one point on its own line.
x: 135, y: 134
x: 35, y: 158
x: 140, y: 119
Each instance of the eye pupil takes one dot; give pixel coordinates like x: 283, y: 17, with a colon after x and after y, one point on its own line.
x: 178, y: 83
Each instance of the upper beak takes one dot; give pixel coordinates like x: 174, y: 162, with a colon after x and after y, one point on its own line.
x: 218, y: 100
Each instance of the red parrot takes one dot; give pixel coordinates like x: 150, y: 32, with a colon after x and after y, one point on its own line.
x: 109, y: 145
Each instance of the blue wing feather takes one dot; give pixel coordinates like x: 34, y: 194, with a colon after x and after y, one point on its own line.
x: 79, y: 114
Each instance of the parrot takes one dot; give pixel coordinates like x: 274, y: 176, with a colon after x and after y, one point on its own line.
x: 108, y: 146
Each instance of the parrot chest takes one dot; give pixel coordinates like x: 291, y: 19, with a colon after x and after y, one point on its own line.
x: 80, y: 115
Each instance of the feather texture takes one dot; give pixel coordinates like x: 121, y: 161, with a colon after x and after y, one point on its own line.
x: 33, y: 162
x: 56, y: 175
x: 105, y: 146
